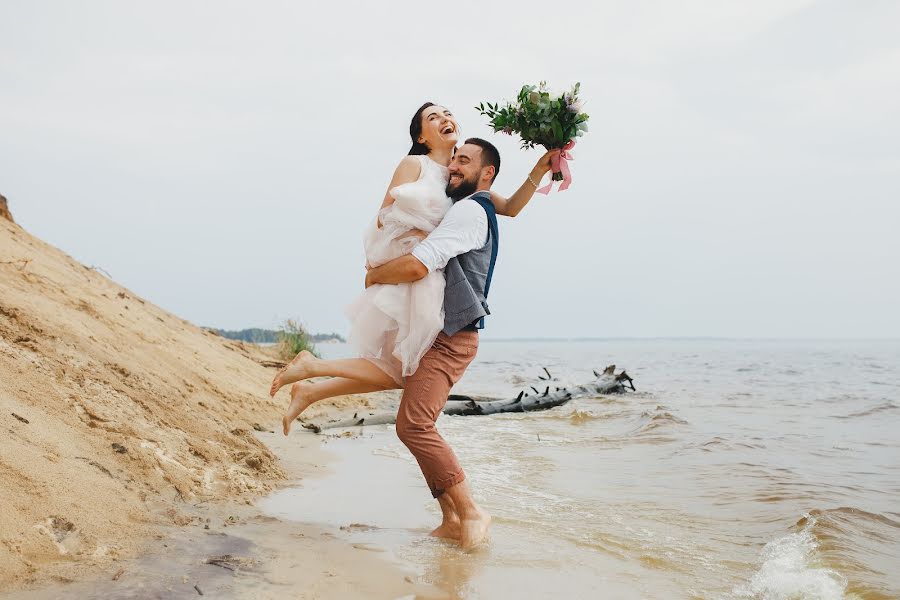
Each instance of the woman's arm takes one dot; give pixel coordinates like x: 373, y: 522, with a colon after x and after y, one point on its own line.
x: 513, y: 205
x: 407, y: 171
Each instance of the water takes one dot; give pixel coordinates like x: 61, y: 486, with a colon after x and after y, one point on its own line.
x: 740, y: 469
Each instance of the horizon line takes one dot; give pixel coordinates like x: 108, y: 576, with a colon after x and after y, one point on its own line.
x: 689, y: 338
x: 591, y: 338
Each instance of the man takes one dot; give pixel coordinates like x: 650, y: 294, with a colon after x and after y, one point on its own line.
x: 464, y: 245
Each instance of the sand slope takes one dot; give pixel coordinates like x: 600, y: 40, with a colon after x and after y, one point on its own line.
x: 114, y: 413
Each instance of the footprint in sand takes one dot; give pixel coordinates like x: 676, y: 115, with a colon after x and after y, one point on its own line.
x: 62, y: 533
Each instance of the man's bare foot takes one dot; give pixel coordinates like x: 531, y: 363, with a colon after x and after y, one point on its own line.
x: 475, y: 530
x: 450, y: 530
x: 296, y: 370
x: 299, y: 403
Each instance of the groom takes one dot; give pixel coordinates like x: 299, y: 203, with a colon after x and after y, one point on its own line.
x: 464, y: 245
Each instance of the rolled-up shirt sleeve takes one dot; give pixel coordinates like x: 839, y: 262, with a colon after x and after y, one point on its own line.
x: 463, y: 229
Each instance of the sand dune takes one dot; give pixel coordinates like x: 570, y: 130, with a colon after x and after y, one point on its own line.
x: 115, y: 413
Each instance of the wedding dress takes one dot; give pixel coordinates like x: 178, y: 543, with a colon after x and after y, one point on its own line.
x: 394, y: 325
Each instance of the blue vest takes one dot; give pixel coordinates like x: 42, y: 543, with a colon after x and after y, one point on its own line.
x: 469, y: 277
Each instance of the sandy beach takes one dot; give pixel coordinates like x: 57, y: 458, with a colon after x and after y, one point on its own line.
x: 143, y: 459
x: 135, y: 446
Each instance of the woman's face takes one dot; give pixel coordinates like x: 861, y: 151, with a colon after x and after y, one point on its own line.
x: 439, y: 128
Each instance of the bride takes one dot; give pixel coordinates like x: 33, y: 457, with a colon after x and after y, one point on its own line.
x: 392, y: 326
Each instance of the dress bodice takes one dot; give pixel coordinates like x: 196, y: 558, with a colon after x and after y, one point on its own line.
x: 420, y: 204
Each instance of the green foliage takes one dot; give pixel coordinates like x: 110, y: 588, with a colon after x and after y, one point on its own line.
x: 256, y: 335
x: 292, y: 339
x: 253, y: 335
x: 539, y: 117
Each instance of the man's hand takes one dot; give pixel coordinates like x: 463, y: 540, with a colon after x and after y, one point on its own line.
x: 544, y: 163
x: 416, y: 233
x: 403, y: 269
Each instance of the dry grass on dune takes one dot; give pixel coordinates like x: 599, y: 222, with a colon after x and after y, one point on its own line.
x: 114, y: 413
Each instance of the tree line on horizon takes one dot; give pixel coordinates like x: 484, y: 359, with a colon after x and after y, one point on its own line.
x: 256, y: 335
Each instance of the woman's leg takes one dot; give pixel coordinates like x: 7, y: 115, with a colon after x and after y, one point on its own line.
x: 306, y: 366
x: 302, y: 396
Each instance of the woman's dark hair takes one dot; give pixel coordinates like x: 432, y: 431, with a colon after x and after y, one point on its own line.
x: 415, y: 130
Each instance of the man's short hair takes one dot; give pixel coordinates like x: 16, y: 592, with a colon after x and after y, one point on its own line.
x: 490, y: 156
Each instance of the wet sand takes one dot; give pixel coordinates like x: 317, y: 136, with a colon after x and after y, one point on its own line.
x: 377, y: 499
x: 246, y: 553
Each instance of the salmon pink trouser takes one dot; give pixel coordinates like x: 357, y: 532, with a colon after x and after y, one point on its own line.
x: 424, y: 397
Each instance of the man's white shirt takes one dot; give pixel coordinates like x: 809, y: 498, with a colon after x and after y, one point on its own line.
x: 463, y: 229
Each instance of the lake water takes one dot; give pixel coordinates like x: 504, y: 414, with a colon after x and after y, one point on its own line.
x: 739, y: 469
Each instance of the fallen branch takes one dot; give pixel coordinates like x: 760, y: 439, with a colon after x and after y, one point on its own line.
x: 460, y: 405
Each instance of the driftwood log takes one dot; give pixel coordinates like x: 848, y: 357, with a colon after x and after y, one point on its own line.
x: 532, y: 399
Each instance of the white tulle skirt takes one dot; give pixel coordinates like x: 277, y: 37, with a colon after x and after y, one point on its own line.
x: 394, y: 325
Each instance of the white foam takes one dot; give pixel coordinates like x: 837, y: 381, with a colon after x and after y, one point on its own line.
x: 788, y: 572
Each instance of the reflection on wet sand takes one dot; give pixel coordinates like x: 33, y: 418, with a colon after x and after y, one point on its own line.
x: 449, y: 569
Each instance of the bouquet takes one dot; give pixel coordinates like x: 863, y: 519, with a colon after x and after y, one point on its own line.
x: 542, y: 118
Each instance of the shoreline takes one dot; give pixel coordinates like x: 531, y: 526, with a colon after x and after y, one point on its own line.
x: 234, y: 550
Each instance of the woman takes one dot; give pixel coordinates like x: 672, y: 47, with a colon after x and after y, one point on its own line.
x: 394, y: 325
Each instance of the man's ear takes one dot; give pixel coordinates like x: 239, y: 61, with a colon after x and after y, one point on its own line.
x: 487, y: 173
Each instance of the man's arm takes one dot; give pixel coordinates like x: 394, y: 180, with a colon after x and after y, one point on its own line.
x: 404, y: 269
x: 512, y: 206
x: 464, y: 228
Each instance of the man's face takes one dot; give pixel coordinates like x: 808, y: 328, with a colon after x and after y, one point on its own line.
x: 465, y: 172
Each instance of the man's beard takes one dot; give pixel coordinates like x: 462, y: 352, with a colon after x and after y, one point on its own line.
x: 465, y: 188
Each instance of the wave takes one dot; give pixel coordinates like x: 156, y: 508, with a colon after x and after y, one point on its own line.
x: 577, y: 417
x: 651, y: 426
x: 873, y: 410
x: 580, y: 415
x: 790, y: 570
x: 659, y: 417
x: 720, y: 444
x: 836, y: 553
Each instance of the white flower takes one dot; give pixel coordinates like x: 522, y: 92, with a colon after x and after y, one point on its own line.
x: 576, y: 106
x: 583, y: 126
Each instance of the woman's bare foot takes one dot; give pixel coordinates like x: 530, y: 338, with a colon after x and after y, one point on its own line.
x: 296, y: 370
x: 301, y: 355
x: 299, y: 403
x: 473, y: 531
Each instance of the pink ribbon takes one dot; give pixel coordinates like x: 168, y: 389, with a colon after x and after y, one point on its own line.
x: 559, y: 164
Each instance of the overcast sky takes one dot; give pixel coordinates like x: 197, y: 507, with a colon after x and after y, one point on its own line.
x: 741, y: 177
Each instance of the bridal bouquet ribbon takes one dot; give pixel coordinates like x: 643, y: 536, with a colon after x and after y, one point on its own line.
x: 560, y: 164
x: 543, y: 118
